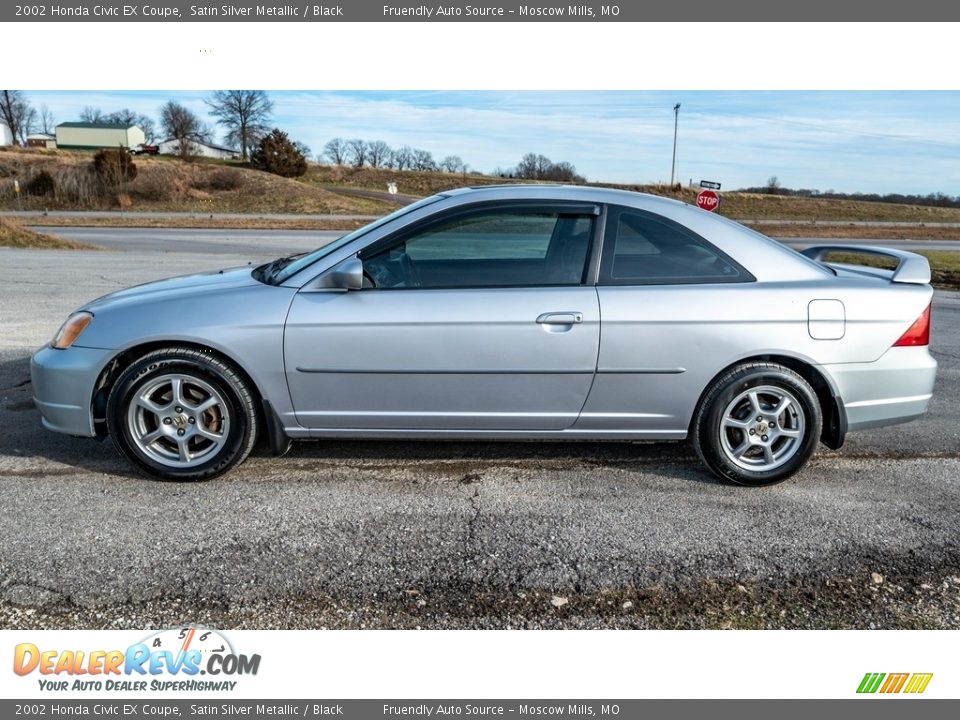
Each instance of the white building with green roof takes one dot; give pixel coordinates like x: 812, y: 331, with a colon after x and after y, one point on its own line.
x: 94, y: 136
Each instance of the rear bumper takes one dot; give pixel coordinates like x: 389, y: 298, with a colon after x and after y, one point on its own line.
x: 896, y: 388
x: 63, y: 382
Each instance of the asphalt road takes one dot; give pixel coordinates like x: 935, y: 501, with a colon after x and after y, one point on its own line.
x: 189, y: 240
x: 159, y: 214
x: 419, y: 534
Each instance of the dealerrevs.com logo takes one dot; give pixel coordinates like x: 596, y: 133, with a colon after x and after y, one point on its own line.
x: 171, y: 660
x: 891, y: 683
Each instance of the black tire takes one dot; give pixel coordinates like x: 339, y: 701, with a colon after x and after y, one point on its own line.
x: 236, y: 441
x: 708, y: 430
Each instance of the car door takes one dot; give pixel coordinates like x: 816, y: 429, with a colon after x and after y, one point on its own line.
x: 480, y: 320
x: 667, y: 296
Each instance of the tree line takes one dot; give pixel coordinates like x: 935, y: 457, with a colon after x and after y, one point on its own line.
x: 359, y: 153
x: 938, y: 199
x: 378, y: 154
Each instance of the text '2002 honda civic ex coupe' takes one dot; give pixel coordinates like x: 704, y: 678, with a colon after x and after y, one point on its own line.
x: 513, y: 312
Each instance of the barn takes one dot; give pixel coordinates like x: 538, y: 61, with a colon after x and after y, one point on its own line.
x: 171, y: 146
x: 94, y: 136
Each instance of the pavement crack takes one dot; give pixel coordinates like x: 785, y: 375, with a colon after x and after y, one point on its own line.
x: 474, y: 518
x: 20, y: 384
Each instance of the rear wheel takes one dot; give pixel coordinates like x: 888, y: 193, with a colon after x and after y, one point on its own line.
x: 758, y: 424
x: 182, y: 414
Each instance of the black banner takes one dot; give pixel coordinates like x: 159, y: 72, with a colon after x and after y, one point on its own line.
x: 853, y: 709
x: 483, y: 11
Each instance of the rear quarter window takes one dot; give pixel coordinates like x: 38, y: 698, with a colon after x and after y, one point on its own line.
x: 641, y: 248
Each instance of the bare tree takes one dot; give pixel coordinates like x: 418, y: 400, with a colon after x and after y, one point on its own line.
x: 378, y: 152
x: 91, y: 114
x: 539, y: 167
x: 423, y: 160
x: 452, y: 164
x: 46, y: 121
x: 357, y: 152
x: 16, y: 112
x: 533, y: 166
x: 336, y: 151
x: 773, y: 185
x: 401, y: 158
x: 562, y: 172
x: 126, y: 116
x: 245, y: 114
x: 180, y: 124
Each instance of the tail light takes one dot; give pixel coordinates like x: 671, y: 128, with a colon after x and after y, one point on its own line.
x: 918, y: 333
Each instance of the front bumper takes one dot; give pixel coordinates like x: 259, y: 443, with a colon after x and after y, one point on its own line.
x: 63, y: 383
x: 896, y: 388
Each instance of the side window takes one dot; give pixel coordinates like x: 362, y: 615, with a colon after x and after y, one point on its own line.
x: 505, y: 248
x: 642, y: 249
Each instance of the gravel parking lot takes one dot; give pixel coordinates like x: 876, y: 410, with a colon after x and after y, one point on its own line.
x: 417, y: 534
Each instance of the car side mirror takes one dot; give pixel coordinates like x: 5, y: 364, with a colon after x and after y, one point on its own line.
x: 345, y: 275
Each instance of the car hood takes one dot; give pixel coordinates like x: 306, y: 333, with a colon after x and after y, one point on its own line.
x: 177, y: 287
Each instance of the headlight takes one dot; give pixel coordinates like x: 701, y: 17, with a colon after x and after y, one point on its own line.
x: 71, y: 330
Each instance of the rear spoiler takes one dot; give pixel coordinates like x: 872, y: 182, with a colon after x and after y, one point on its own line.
x: 911, y: 268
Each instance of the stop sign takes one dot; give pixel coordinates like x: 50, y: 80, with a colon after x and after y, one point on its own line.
x: 708, y: 200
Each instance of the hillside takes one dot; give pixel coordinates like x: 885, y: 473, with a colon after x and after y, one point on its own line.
x: 741, y: 206
x: 168, y: 184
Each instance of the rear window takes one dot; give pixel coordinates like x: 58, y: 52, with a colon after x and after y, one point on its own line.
x: 644, y: 249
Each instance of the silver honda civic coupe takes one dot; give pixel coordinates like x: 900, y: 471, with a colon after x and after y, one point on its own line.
x: 512, y: 313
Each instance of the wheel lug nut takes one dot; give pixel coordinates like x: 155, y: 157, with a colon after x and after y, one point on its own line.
x: 764, y: 438
x: 752, y: 431
x: 167, y: 421
x: 181, y: 431
x: 178, y: 409
x: 191, y: 420
x: 759, y: 417
x: 773, y: 425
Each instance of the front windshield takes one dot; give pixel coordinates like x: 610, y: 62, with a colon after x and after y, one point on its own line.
x: 294, y: 266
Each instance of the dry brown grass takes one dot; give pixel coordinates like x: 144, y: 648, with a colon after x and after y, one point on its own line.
x: 211, y: 186
x: 408, y: 182
x: 199, y: 221
x: 164, y: 184
x: 880, y: 232
x: 741, y: 206
x: 13, y: 234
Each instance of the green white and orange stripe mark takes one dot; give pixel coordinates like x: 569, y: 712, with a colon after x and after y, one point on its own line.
x: 912, y: 683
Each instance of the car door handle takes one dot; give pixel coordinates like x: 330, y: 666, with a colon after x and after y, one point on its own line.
x: 560, y: 318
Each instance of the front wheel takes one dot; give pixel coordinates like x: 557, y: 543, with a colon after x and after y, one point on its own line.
x: 758, y: 424
x: 182, y: 414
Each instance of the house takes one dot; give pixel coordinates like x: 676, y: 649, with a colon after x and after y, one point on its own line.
x: 42, y: 140
x: 6, y: 137
x: 171, y: 146
x: 94, y: 136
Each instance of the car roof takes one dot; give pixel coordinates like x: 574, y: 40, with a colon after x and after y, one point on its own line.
x: 583, y: 193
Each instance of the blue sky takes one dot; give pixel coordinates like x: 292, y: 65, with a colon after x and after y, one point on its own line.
x: 847, y: 141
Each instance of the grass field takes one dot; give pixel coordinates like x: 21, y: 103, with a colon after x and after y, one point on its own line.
x: 944, y: 264
x: 12, y: 234
x: 165, y: 183
x: 741, y: 206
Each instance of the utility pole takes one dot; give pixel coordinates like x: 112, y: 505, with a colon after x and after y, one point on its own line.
x: 673, y: 164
